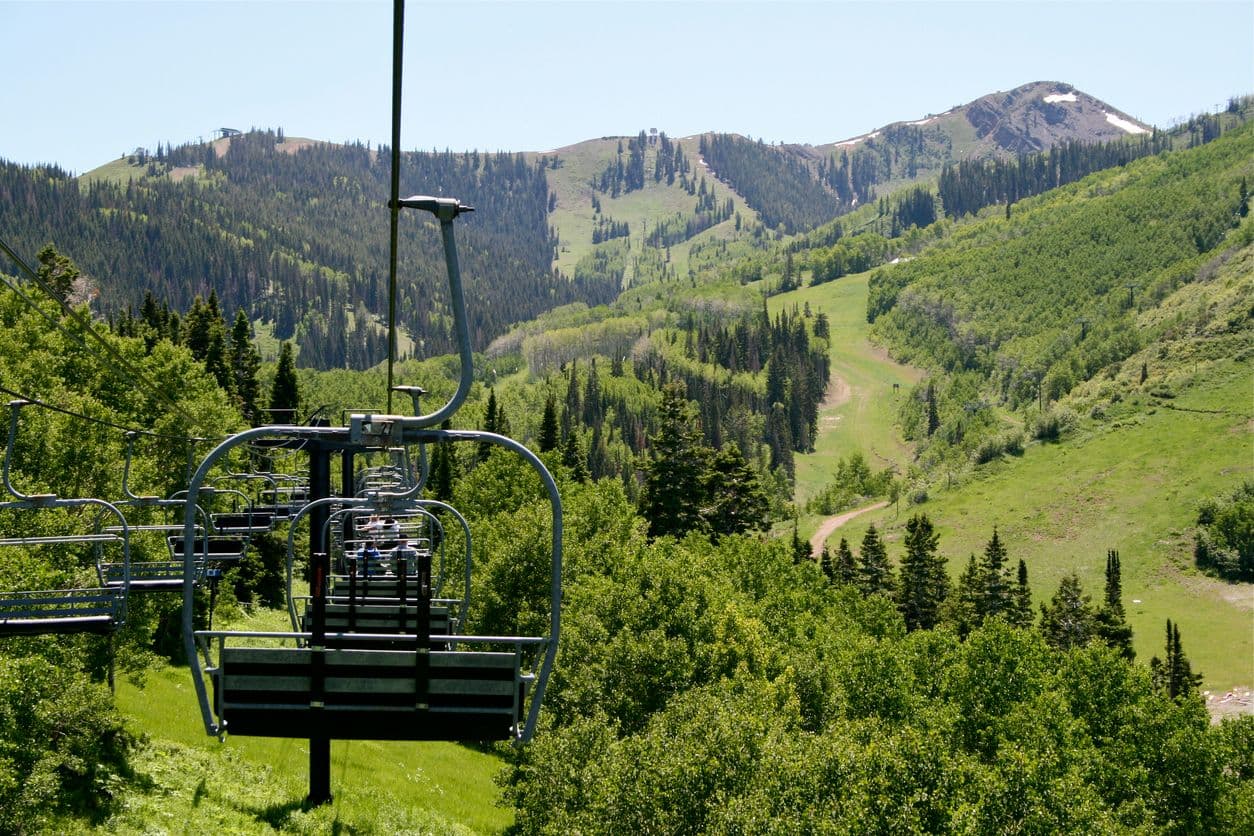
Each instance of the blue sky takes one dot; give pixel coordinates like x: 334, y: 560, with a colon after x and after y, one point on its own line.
x: 84, y: 82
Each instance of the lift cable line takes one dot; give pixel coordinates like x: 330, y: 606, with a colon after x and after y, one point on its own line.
x: 102, y: 422
x: 125, y: 366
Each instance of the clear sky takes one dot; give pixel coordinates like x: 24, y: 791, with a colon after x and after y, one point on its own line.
x: 84, y: 82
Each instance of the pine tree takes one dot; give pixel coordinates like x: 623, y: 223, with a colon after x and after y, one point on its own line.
x: 800, y: 548
x: 1112, y: 625
x: 736, y: 501
x: 826, y: 564
x: 875, y: 575
x: 1175, y: 675
x: 57, y: 272
x: 1021, y: 612
x: 573, y: 458
x: 548, y: 426
x: 285, y: 392
x: 924, y: 583
x: 846, y: 566
x: 962, y: 610
x: 490, y: 425
x: 245, y: 362
x: 443, y: 468
x: 995, y: 596
x: 933, y: 418
x: 676, y: 473
x: 1069, y: 620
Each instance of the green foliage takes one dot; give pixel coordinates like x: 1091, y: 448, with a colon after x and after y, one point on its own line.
x: 854, y: 483
x: 1030, y: 308
x: 290, y: 236
x: 1224, y: 542
x: 63, y: 749
x: 875, y: 574
x: 923, y: 578
x: 285, y: 391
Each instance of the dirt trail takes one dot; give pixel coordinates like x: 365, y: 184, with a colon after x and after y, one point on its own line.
x: 832, y: 523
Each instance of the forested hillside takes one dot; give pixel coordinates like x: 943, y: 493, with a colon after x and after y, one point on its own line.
x: 1020, y: 311
x: 299, y: 238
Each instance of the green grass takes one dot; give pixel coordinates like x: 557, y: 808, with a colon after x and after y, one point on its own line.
x: 1134, y: 488
x: 1130, y: 481
x: 253, y: 783
x: 866, y: 421
x: 573, y: 217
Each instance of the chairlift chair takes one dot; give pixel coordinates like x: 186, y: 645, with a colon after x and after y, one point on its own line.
x: 78, y: 609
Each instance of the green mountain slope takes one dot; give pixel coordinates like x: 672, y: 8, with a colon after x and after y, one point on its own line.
x: 1129, y: 298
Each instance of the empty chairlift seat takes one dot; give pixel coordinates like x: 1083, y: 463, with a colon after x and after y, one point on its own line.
x: 243, y: 523
x: 364, y: 694
x: 93, y: 610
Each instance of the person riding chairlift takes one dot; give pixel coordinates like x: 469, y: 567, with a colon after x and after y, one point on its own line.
x: 369, y: 560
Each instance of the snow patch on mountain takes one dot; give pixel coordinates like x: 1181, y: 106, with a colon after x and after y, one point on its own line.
x: 1130, y: 127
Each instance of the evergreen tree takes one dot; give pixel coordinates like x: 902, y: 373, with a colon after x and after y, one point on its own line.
x: 1112, y: 626
x: 285, y: 392
x: 924, y: 583
x: 800, y: 548
x: 995, y: 595
x: 1175, y: 675
x: 826, y: 564
x: 443, y: 468
x: 846, y: 567
x: 933, y: 418
x: 245, y: 362
x: 962, y: 610
x: 490, y: 424
x: 676, y: 473
x: 573, y: 457
x: 1069, y: 620
x: 736, y: 501
x: 875, y: 575
x: 57, y: 272
x: 548, y: 425
x: 1021, y: 612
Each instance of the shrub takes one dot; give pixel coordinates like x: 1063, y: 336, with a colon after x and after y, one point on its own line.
x: 63, y: 748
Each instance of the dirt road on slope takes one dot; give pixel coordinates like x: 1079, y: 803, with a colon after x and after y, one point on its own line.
x: 832, y: 523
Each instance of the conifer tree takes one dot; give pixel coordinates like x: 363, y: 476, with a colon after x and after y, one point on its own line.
x: 676, y: 473
x: 924, y: 583
x: 875, y: 575
x: 962, y: 610
x: 490, y: 425
x: 846, y: 567
x: 285, y: 392
x: 1112, y: 626
x: 736, y: 501
x: 800, y: 548
x: 443, y: 468
x: 933, y: 418
x: 995, y: 595
x: 57, y: 272
x: 1021, y: 612
x: 548, y: 426
x: 573, y: 458
x: 826, y: 564
x: 1174, y: 675
x: 1069, y: 620
x: 245, y: 361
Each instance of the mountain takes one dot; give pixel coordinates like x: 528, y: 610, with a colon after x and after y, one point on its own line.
x: 294, y: 231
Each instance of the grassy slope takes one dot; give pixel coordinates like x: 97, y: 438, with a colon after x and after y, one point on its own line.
x: 249, y: 784
x: 573, y: 216
x: 864, y: 420
x: 1130, y: 483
